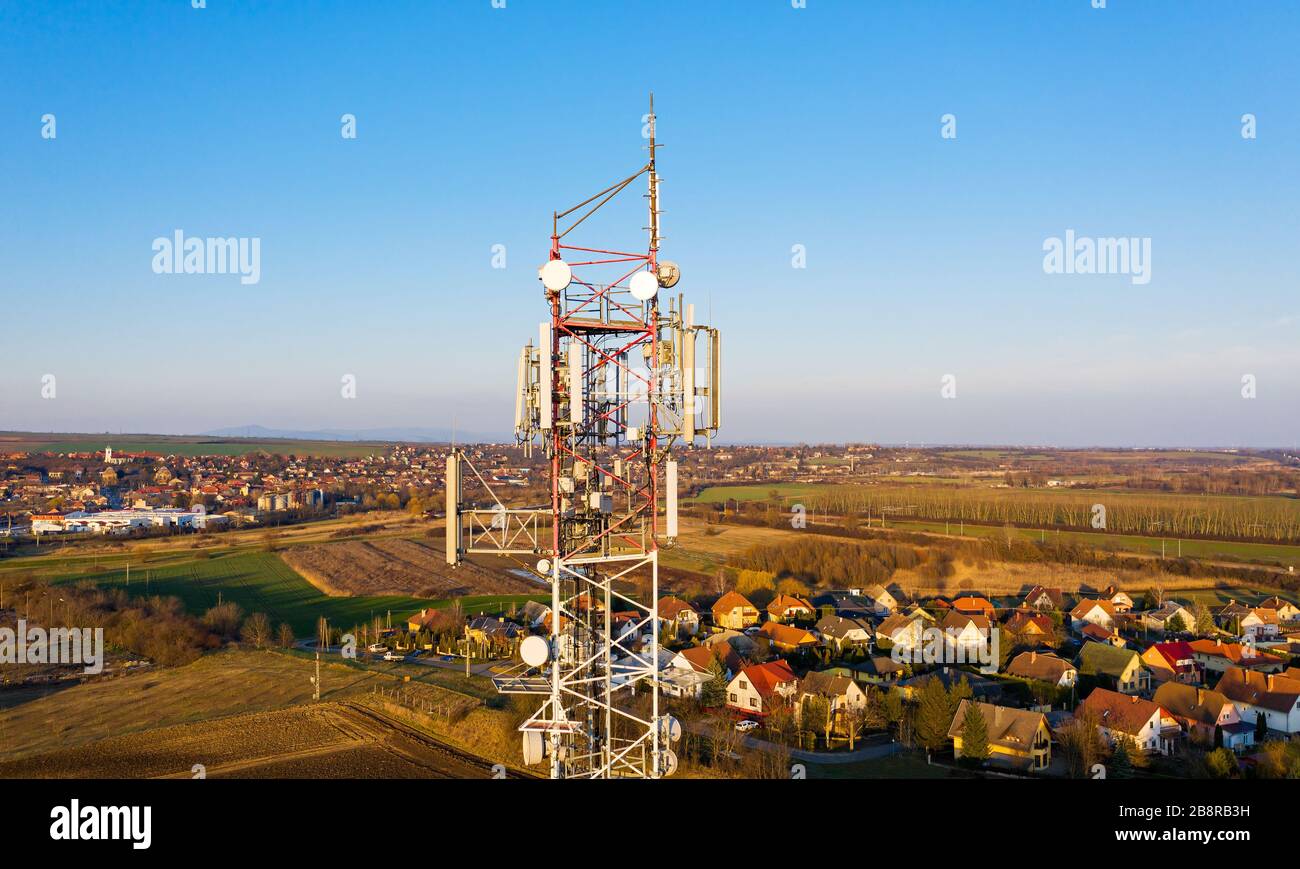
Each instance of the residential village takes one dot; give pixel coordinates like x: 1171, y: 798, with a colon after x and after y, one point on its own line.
x: 1050, y: 684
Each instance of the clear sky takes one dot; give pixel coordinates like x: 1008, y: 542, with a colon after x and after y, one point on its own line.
x: 817, y: 126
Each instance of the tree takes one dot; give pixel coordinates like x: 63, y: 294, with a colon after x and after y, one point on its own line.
x: 933, y: 715
x: 815, y: 712
x: 891, y: 705
x: 1204, y: 619
x: 713, y: 693
x: 1220, y: 763
x: 1261, y: 728
x: 974, y: 735
x: 284, y: 635
x: 1176, y: 625
x: 256, y: 630
x: 224, y: 619
x: 1081, y: 743
x: 1121, y: 761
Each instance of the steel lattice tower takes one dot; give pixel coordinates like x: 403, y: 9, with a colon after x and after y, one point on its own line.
x: 609, y: 389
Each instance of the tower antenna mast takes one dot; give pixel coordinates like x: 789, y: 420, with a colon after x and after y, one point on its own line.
x: 610, y: 387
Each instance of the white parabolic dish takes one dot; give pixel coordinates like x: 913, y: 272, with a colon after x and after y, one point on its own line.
x: 535, y: 651
x: 556, y: 275
x: 644, y: 285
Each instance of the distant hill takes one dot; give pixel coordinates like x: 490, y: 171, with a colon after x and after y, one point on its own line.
x: 409, y: 434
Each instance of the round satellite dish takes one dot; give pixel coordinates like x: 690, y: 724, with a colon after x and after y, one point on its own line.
x: 533, y: 747
x: 669, y: 762
x: 643, y: 286
x: 672, y: 728
x: 535, y: 651
x: 556, y: 275
x: 544, y: 566
x: 669, y: 274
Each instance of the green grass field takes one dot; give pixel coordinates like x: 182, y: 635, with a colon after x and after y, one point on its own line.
x: 259, y: 582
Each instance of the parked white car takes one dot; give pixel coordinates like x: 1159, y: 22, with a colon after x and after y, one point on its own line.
x: 746, y: 726
x: 394, y: 656
x: 376, y: 648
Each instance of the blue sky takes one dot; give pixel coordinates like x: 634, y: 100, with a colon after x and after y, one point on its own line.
x: 817, y: 126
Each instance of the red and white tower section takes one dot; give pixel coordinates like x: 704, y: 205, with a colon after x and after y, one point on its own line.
x: 620, y: 374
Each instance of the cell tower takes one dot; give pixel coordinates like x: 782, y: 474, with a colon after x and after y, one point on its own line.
x: 613, y: 383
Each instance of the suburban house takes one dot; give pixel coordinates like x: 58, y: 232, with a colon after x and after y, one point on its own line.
x: 1018, y: 739
x: 1216, y: 656
x: 1029, y: 625
x: 1040, y: 598
x: 787, y: 638
x: 685, y: 675
x: 981, y: 687
x: 492, y: 633
x: 1098, y: 634
x: 965, y: 636
x: 1228, y: 616
x: 1151, y: 728
x: 1275, y: 697
x: 1286, y: 611
x: 1120, y: 667
x: 425, y: 618
x: 535, y: 613
x: 731, y: 647
x: 880, y: 670
x: 843, y: 696
x: 789, y: 608
x: 678, y: 618
x: 1093, y: 612
x: 1260, y: 624
x: 1043, y: 667
x: 903, y: 631
x: 758, y: 687
x: 1118, y: 599
x: 734, y: 611
x: 699, y: 659
x: 972, y: 605
x: 1169, y: 616
x: 1207, y: 717
x: 1173, y: 662
x: 883, y: 601
x: 842, y: 633
x: 849, y: 604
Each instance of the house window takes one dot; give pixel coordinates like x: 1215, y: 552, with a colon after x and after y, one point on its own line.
x: 732, y: 697
x: 744, y: 686
x: 753, y: 702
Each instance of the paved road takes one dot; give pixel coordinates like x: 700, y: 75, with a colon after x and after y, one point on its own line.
x: 876, y: 747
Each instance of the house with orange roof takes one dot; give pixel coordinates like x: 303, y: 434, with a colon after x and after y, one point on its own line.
x: 974, y: 605
x: 733, y: 610
x: 788, y: 608
x: 1093, y: 611
x: 1029, y: 624
x: 1173, y: 662
x: 677, y: 618
x: 756, y: 689
x: 787, y: 639
x: 1151, y: 728
x: 1216, y: 656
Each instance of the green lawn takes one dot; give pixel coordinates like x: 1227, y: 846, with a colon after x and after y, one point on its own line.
x: 262, y: 582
